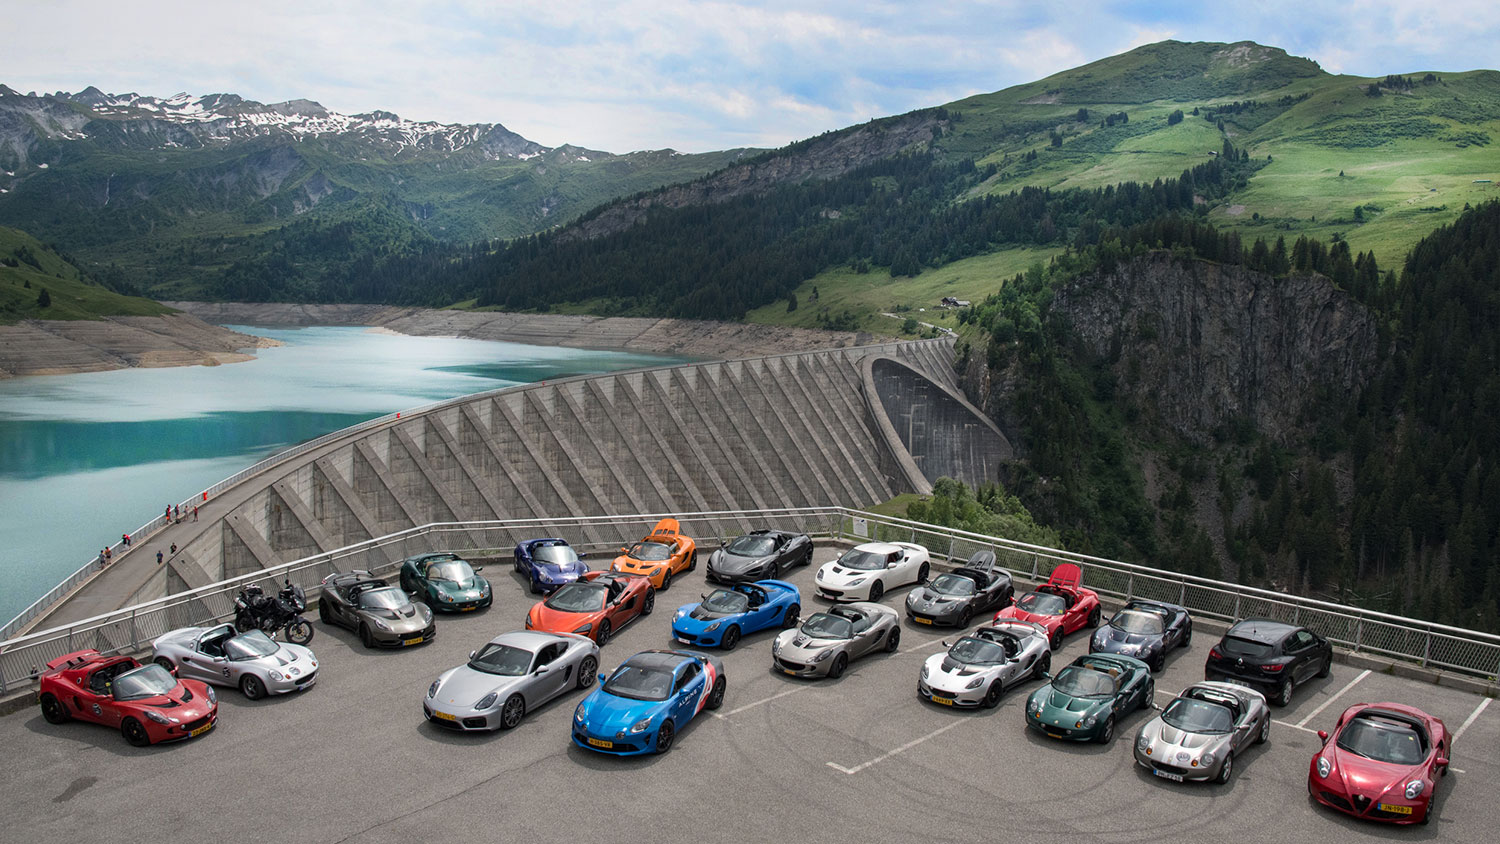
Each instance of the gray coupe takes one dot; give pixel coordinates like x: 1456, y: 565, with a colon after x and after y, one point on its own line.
x: 382, y: 614
x: 980, y: 666
x: 954, y: 598
x: 1198, y: 735
x: 827, y: 642
x: 512, y: 673
x: 254, y: 662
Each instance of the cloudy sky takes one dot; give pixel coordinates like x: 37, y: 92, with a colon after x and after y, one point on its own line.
x: 621, y: 75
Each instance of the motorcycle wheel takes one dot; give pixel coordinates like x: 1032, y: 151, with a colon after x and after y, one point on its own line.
x: 243, y: 623
x: 299, y: 631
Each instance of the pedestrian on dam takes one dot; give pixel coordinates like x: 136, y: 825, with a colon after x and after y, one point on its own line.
x: 176, y: 512
x: 174, y: 549
x: 125, y: 539
x: 107, y: 555
x: 195, y: 512
x: 167, y: 516
x: 158, y: 557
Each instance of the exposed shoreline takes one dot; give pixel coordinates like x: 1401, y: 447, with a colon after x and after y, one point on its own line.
x: 66, y: 347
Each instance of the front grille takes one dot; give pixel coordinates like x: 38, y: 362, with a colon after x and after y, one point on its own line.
x: 305, y: 678
x: 794, y: 666
x: 1336, y: 801
x: 444, y: 723
x: 617, y: 746
x: 1361, y: 802
x: 1171, y: 769
x: 475, y: 723
x: 837, y: 593
x: 193, y: 725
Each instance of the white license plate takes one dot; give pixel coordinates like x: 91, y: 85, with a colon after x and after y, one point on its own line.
x: 683, y: 639
x: 1167, y: 775
x: 1236, y: 682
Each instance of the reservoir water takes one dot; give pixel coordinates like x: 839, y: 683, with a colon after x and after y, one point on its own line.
x: 84, y: 458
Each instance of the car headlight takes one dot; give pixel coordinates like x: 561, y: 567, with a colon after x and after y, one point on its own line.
x: 432, y: 689
x: 579, y: 714
x: 641, y: 726
x: 682, y: 613
x: 1325, y: 767
x: 1142, y: 743
x: 1090, y: 721
x: 1207, y: 759
x: 1414, y: 789
x: 924, y: 671
x: 857, y: 581
x: 655, y: 572
x: 585, y: 628
x: 487, y: 701
x: 776, y: 645
x: 213, y: 696
x: 976, y: 682
x: 1034, y: 706
x: 823, y: 654
x: 446, y: 597
x: 714, y: 626
x: 382, y: 625
x: 528, y: 622
x: 276, y: 675
x: 157, y: 717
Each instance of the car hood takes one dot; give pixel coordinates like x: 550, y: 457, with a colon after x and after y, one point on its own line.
x: 1048, y: 621
x: 630, y: 565
x: 463, y: 686
x: 1168, y: 741
x: 188, y: 701
x: 795, y: 643
x: 570, y: 571
x: 609, y: 713
x: 943, y: 667
x: 1360, y: 775
x: 836, y: 575
x: 544, y: 617
x: 923, y: 599
x: 727, y: 563
x: 286, y: 656
x: 1055, y: 702
x: 411, y: 617
x: 476, y: 587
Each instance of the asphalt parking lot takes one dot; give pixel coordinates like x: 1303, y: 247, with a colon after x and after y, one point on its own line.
x: 858, y: 759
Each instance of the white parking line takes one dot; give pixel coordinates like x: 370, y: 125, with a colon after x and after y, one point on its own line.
x: 740, y: 709
x: 902, y: 749
x: 1473, y: 716
x: 1315, y: 712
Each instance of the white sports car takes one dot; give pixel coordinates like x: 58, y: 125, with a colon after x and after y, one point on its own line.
x: 865, y: 572
x: 256, y: 663
x: 980, y: 666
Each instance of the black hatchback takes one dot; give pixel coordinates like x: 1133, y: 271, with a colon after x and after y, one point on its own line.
x: 1272, y: 656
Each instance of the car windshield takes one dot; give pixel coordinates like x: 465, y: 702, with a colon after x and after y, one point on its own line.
x: 1084, y: 682
x: 495, y: 658
x: 862, y: 560
x: 146, y: 681
x: 578, y: 597
x: 1138, y: 622
x: 953, y: 584
x: 640, y: 682
x: 457, y: 571
x: 555, y: 555
x: 1041, y: 603
x: 1198, y: 716
x: 252, y: 645
x: 385, y: 598
x: 650, y: 552
x: 726, y: 602
x: 1381, y: 739
x: 1235, y: 646
x: 751, y: 546
x: 972, y: 651
x: 824, y: 626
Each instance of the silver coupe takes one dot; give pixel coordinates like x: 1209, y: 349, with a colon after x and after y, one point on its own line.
x: 1198, y: 735
x: 512, y: 673
x: 825, y: 644
x: 254, y: 662
x: 980, y: 666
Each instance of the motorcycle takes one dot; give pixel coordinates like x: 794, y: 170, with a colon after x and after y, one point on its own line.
x: 255, y: 610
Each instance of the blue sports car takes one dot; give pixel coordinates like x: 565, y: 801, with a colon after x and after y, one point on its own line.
x: 548, y: 563
x: 651, y: 696
x: 727, y: 614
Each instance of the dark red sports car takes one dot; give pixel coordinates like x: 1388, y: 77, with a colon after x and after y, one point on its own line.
x: 1061, y: 605
x: 1381, y: 763
x: 146, y: 703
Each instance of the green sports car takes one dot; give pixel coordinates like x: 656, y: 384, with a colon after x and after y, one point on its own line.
x: 1086, y: 700
x: 445, y: 581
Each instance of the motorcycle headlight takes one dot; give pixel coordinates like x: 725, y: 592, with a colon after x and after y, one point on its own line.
x: 975, y: 683
x: 585, y: 628
x: 432, y: 689
x: 579, y: 714
x: 714, y: 626
x: 213, y: 696
x: 487, y: 701
x: 1414, y: 789
x: 823, y: 654
x: 641, y: 726
x: 157, y: 717
x: 1325, y: 767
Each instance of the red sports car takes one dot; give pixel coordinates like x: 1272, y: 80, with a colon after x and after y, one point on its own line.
x: 1381, y: 763
x: 1061, y: 605
x: 147, y: 703
x: 595, y: 605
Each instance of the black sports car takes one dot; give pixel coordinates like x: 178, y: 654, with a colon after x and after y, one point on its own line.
x: 759, y: 555
x: 382, y: 614
x: 1271, y: 656
x: 953, y: 598
x: 1145, y: 630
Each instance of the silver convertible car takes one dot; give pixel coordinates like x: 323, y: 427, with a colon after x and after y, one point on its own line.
x: 980, y: 666
x: 253, y: 661
x: 1198, y: 735
x: 827, y: 642
x: 512, y: 673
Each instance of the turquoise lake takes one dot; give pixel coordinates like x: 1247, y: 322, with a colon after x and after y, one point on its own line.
x: 84, y: 458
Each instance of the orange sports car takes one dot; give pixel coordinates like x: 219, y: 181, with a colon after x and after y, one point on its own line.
x: 666, y: 552
x: 595, y: 605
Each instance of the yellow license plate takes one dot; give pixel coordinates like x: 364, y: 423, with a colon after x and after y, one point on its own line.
x: 946, y: 701
x: 607, y: 745
x: 1393, y: 809
x: 416, y: 641
x: 445, y: 716
x: 790, y: 671
x: 920, y: 620
x: 201, y: 730
x: 1052, y: 734
x: 468, y: 609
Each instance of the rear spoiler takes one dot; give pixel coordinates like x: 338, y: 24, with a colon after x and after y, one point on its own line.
x: 73, y: 659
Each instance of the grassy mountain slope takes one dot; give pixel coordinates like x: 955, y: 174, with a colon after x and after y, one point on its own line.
x: 27, y: 268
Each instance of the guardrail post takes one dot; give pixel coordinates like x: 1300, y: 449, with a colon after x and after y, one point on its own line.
x: 1182, y: 593
x: 1035, y: 564
x: 1296, y: 613
x: 1130, y: 586
x: 1237, y: 597
x: 3, y: 686
x: 134, y: 645
x: 1359, y: 630
x: 951, y: 540
x: 1426, y: 647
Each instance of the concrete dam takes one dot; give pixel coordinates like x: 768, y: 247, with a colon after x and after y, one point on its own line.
x: 852, y: 426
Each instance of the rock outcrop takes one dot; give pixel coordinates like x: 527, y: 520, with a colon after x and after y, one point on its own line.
x: 61, y: 347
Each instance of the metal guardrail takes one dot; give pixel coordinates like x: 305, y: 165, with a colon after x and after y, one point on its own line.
x: 132, y: 629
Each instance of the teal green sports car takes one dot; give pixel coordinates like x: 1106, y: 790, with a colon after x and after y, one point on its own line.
x: 445, y: 581
x: 1088, y: 698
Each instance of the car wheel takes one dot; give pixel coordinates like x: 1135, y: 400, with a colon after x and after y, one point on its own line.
x: 648, y: 604
x: 1265, y: 731
x: 513, y: 711
x: 1187, y: 638
x: 1327, y: 667
x: 1226, y: 771
x: 1284, y: 694
x: 366, y: 638
x: 840, y: 663
x: 252, y: 687
x: 1159, y: 663
x: 1094, y: 617
x: 163, y: 662
x: 716, y: 697
x: 1107, y: 734
x: 693, y: 561
x: 664, y: 737
x: 536, y: 588
x: 793, y: 612
x: 1056, y: 639
x: 922, y: 572
x: 53, y: 710
x: 586, y: 670
x: 601, y: 638
x: 877, y: 589
x: 965, y: 617
x: 135, y: 733
x: 1150, y: 696
x: 893, y: 641
x: 992, y: 695
x: 323, y: 614
x: 730, y: 638
x: 666, y: 580
x: 807, y: 561
x: 1043, y: 665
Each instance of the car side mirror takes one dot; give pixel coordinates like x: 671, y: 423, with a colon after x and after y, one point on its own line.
x: 622, y: 549
x: 703, y: 596
x: 1323, y: 736
x: 542, y: 669
x: 472, y: 654
x: 602, y: 678
x: 478, y: 568
x: 892, y: 564
x: 1046, y: 675
x: 1442, y: 761
x: 583, y: 554
x: 945, y: 644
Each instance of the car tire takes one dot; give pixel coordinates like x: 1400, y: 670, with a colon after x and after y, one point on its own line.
x: 53, y: 710
x: 840, y: 663
x: 1284, y: 693
x: 1043, y: 665
x: 1094, y: 615
x: 730, y: 638
x: 666, y: 581
x: 877, y: 591
x: 1055, y: 641
x: 716, y: 697
x: 664, y: 736
x: 1225, y: 771
x: 1187, y: 638
x: 135, y: 733
x: 648, y: 603
x: 586, y: 671
x: 251, y: 687
x: 807, y: 561
x: 992, y: 695
x: 693, y: 560
x: 536, y: 588
x: 923, y: 572
x: 1107, y: 734
x: 1265, y: 731
x: 366, y: 638
x: 1159, y: 663
x: 1327, y: 667
x: 965, y: 617
x: 323, y: 614
x: 601, y: 638
x: 163, y: 662
x: 512, y: 712
x: 792, y: 616
x: 893, y: 641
